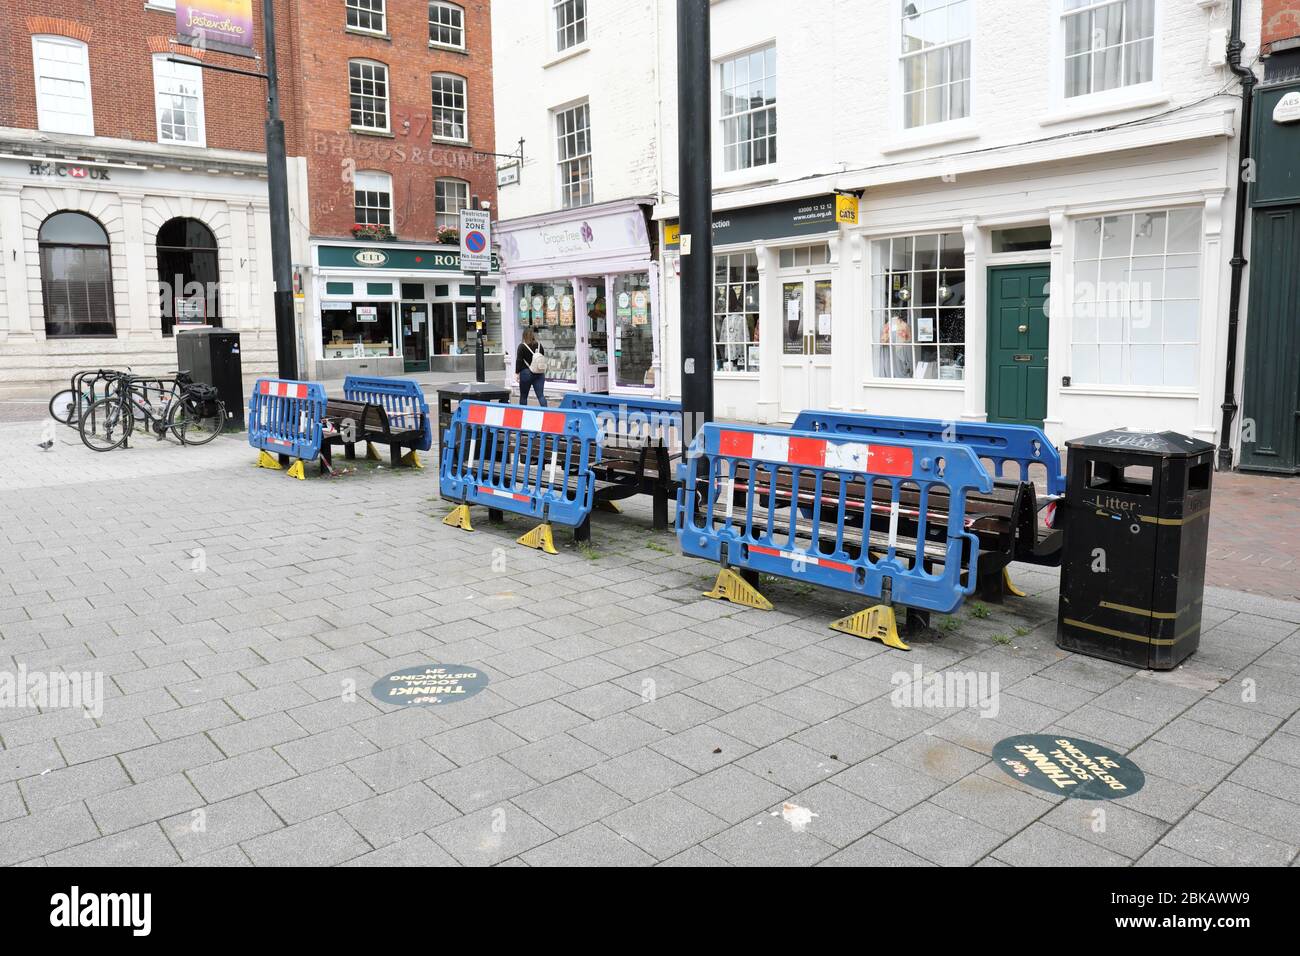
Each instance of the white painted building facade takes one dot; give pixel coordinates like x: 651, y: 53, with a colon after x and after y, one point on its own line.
x: 129, y: 191
x: 1065, y: 167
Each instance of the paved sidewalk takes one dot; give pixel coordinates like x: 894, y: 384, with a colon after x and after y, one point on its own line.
x: 240, y: 618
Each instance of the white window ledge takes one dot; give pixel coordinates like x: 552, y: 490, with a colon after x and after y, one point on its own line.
x: 1088, y: 107
x: 568, y: 54
x: 940, y: 134
x: 1122, y: 391
x: 753, y: 176
x: 928, y: 384
x: 737, y: 376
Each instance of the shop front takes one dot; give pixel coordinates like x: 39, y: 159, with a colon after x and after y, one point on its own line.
x: 391, y: 308
x: 585, y: 281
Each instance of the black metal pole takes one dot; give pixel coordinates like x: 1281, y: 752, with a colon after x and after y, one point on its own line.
x: 695, y: 189
x: 1238, y: 261
x: 277, y: 183
x: 480, y: 373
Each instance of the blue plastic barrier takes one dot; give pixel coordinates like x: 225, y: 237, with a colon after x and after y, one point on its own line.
x: 792, y: 540
x: 1021, y: 445
x: 527, y: 460
x: 632, y: 417
x: 284, y: 417
x: 403, y: 400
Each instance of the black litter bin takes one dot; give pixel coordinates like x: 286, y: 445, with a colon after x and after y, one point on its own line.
x: 1137, y: 518
x: 211, y: 356
x: 451, y: 394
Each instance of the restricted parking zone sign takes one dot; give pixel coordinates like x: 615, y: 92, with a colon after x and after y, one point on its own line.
x: 475, y: 240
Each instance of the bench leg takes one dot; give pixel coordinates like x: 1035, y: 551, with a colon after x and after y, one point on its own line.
x: 660, y: 509
x: 583, y: 531
x: 496, y: 516
x: 916, y: 622
x: 990, y: 586
x: 350, y: 450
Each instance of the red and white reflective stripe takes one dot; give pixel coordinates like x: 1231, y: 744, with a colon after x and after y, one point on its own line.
x: 817, y: 453
x: 285, y: 389
x: 525, y: 419
x: 804, y: 557
x: 497, y: 492
x: 279, y: 441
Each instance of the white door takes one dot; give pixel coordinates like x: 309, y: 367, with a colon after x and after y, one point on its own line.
x: 805, y: 344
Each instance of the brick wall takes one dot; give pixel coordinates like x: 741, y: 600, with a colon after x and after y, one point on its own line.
x: 409, y: 154
x: 121, y: 48
x: 1280, y: 21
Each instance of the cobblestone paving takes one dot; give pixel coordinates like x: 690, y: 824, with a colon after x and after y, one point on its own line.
x: 628, y: 720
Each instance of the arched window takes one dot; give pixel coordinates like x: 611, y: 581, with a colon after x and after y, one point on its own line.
x: 188, y: 275
x: 76, y: 276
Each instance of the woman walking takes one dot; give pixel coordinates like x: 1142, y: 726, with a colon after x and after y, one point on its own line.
x: 530, y: 366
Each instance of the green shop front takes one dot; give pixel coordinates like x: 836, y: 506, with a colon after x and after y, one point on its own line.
x: 392, y: 308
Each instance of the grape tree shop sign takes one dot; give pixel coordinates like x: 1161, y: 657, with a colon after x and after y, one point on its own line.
x: 430, y: 684
x: 1068, y: 767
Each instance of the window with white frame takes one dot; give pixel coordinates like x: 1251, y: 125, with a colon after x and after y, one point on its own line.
x: 368, y: 85
x: 178, y: 92
x: 570, y: 23
x: 936, y: 61
x: 373, y: 198
x: 1108, y: 44
x: 573, y: 149
x: 367, y: 15
x: 446, y: 25
x: 449, y: 107
x: 62, y: 72
x: 1137, y: 299
x: 918, y: 306
x: 747, y: 85
x: 735, y: 312
x: 450, y: 197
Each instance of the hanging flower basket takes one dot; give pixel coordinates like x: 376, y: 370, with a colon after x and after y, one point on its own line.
x: 449, y: 237
x: 378, y: 233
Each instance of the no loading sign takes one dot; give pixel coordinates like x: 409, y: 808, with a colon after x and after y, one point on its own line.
x: 1068, y: 767
x: 430, y: 684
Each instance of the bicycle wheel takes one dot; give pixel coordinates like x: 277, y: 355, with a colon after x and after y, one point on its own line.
x: 105, y: 425
x: 64, y: 405
x: 196, y: 423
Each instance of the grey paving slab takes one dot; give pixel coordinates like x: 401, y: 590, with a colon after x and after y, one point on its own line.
x: 481, y: 784
x: 320, y: 841
x: 570, y: 803
x: 143, y: 802
x: 640, y: 774
x: 204, y: 830
x: 1225, y: 844
x: 491, y: 835
x: 45, y: 831
x: 416, y: 850
x: 58, y: 788
x: 665, y: 824
x: 874, y: 851
x: 142, y: 846
x: 592, y: 845
x: 399, y: 814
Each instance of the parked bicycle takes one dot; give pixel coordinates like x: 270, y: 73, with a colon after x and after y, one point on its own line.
x: 190, y: 411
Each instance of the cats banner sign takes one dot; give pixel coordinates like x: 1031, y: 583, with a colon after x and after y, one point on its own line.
x: 216, y: 23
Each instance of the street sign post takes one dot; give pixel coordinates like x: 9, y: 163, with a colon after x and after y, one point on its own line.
x: 476, y: 257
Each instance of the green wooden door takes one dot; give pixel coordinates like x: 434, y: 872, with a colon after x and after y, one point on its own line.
x: 1271, y: 407
x: 1017, y: 321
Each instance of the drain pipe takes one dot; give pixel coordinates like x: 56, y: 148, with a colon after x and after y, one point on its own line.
x: 1238, y: 260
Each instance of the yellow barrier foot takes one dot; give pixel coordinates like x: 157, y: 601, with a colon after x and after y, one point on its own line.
x: 296, y: 470
x: 267, y: 460
x: 730, y: 586
x: 459, y: 518
x: 540, y: 538
x: 371, y: 453
x: 609, y: 506
x: 412, y: 458
x: 874, y: 624
x: 1008, y: 586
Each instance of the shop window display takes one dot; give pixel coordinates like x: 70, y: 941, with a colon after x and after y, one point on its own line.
x: 735, y: 312
x: 549, y: 308
x: 918, y: 316
x: 365, y: 330
x: 633, y: 331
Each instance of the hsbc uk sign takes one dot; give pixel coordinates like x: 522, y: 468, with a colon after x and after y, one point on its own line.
x: 67, y: 171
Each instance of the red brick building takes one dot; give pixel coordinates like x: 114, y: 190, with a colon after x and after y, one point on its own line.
x: 133, y: 186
